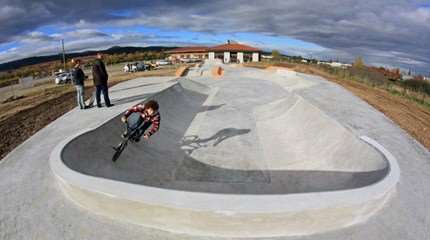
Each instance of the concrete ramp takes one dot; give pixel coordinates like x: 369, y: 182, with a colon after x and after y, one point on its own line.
x: 310, y: 140
x: 217, y: 72
x: 229, y: 161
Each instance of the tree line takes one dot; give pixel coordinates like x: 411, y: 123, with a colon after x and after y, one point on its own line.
x: 48, y: 69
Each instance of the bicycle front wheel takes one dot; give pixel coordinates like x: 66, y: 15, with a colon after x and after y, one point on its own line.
x: 118, y: 151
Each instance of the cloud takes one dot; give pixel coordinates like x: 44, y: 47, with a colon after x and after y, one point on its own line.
x: 391, y: 32
x: 36, y: 43
x: 35, y: 37
x: 419, y: 16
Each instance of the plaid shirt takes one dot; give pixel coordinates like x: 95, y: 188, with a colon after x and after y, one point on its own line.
x: 154, y: 119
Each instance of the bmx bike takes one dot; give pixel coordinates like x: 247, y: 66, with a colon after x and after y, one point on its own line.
x: 131, y: 135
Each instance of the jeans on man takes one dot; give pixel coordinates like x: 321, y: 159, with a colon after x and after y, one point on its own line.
x: 102, y: 89
x: 80, y: 96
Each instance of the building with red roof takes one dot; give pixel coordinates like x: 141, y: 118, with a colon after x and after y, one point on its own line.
x: 234, y: 47
x: 188, y: 53
x: 231, y: 52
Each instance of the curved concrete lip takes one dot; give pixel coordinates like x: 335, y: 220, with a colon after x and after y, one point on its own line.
x: 234, y: 203
x: 137, y: 203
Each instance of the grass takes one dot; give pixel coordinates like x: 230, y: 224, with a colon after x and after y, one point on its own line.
x: 8, y: 82
x: 419, y: 97
x: 423, y: 102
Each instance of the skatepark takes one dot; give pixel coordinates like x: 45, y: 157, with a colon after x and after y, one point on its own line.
x: 249, y: 153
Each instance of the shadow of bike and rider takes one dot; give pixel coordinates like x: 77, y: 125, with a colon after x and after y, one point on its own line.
x: 194, y: 142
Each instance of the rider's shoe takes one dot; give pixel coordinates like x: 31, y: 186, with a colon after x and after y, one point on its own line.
x: 136, y: 139
x: 124, y: 134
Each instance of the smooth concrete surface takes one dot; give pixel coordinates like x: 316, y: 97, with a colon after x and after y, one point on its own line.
x: 205, y: 146
x: 223, y: 140
x: 31, y: 194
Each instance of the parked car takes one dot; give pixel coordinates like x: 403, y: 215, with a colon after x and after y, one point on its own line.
x: 63, y: 78
x: 136, y: 67
x: 162, y: 62
x: 127, y: 68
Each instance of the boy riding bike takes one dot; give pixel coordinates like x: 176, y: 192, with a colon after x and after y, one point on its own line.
x: 140, y: 118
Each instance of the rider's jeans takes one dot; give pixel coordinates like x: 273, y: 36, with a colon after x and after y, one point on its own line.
x: 135, y: 121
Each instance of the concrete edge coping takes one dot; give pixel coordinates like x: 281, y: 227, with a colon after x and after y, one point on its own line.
x: 226, y: 203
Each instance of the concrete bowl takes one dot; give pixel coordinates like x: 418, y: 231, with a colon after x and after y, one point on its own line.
x: 300, y: 198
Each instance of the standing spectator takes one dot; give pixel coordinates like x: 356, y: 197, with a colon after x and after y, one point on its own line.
x: 100, y: 78
x: 78, y: 79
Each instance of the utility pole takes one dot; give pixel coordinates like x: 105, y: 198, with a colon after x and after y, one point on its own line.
x: 64, y: 55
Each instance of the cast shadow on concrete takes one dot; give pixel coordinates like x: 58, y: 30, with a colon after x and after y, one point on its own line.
x: 196, y: 176
x: 211, y: 108
x: 194, y: 142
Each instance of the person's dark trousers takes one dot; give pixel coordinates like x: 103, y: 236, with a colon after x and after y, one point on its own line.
x: 102, y: 89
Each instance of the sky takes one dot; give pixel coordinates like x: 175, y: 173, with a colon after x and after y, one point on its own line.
x: 391, y: 33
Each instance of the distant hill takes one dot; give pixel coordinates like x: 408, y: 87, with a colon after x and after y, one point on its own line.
x: 42, y: 59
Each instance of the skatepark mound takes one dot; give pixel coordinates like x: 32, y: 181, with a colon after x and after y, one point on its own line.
x: 217, y: 72
x: 182, y: 71
x: 306, y: 173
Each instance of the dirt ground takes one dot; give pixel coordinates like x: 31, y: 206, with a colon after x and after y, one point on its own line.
x: 410, y: 116
x: 21, y: 118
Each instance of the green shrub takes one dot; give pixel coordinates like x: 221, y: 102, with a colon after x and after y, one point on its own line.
x: 417, y: 86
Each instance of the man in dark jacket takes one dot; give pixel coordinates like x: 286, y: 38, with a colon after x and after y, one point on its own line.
x: 78, y: 79
x: 100, y: 78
